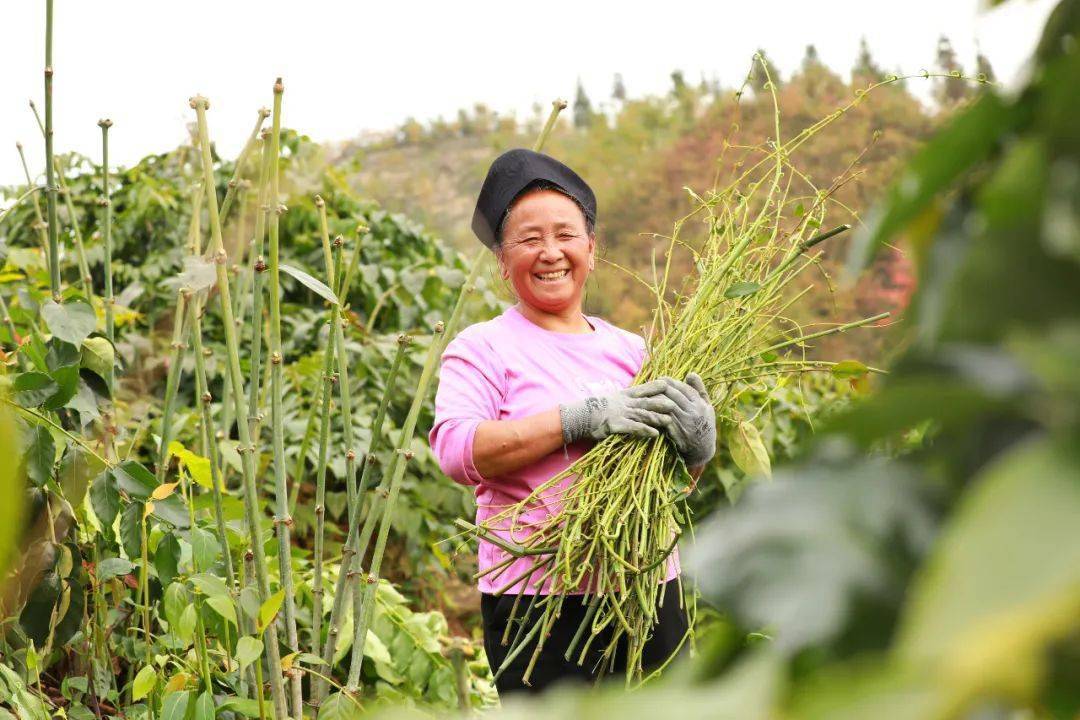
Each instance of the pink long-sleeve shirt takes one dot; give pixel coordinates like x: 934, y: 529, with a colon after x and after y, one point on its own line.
x: 508, y: 368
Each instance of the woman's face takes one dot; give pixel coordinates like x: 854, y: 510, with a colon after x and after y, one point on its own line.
x: 547, y: 252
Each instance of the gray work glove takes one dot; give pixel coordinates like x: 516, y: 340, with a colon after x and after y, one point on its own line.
x: 689, y: 418
x: 636, y: 411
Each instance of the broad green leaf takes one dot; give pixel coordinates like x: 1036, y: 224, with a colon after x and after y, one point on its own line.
x: 71, y: 322
x: 67, y: 384
x: 747, y: 450
x: 339, y: 707
x: 196, y: 465
x: 40, y: 456
x: 248, y: 650
x: 32, y: 388
x: 223, y: 606
x: 210, y: 585
x: 167, y: 559
x: 175, y: 705
x: 144, y: 682
x: 741, y: 289
x: 185, y: 629
x: 177, y: 599
x: 965, y: 141
x: 113, y: 567
x: 78, y: 467
x: 269, y: 609
x: 249, y: 602
x: 98, y: 356
x: 316, y: 286
x: 1004, y: 580
x: 244, y: 706
x: 204, y: 707
x: 131, y: 529
x: 205, y: 549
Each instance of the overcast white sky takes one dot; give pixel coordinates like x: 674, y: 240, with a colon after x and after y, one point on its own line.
x: 353, y: 66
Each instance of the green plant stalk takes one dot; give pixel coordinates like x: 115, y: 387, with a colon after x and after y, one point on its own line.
x: 87, y: 281
x: 301, y: 457
x: 557, y: 106
x: 106, y: 238
x: 258, y: 266
x: 84, y: 268
x: 42, y: 228
x: 50, y: 170
x: 172, y: 382
x: 327, y: 390
x: 144, y: 591
x: 283, y: 521
x: 234, y: 181
x: 204, y: 399
x: 251, y: 493
x: 30, y: 193
x: 256, y: 667
x: 397, y: 470
x: 188, y: 493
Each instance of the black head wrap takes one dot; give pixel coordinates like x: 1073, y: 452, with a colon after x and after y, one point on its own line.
x: 510, y: 174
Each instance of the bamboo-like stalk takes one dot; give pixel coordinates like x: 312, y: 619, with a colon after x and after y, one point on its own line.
x: 251, y: 493
x: 84, y: 268
x: 282, y: 521
x: 557, y: 106
x: 106, y: 237
x: 39, y: 219
x: 172, y: 382
x: 327, y: 390
x: 234, y: 181
x: 391, y: 484
x: 50, y: 180
x: 258, y: 268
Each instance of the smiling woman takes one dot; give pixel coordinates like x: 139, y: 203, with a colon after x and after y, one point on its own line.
x: 524, y: 395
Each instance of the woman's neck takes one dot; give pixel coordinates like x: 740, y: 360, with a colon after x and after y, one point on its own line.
x: 570, y: 321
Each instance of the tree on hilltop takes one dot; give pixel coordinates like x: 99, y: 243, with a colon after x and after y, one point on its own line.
x: 583, y: 112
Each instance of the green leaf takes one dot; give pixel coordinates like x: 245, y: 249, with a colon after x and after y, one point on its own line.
x: 113, y: 567
x: 963, y: 143
x: 249, y: 602
x: 40, y: 456
x: 131, y: 529
x: 248, y: 650
x: 244, y: 706
x: 204, y: 707
x: 67, y: 384
x: 316, y: 286
x: 72, y: 322
x: 205, y: 549
x: 98, y: 356
x: 144, y: 682
x: 849, y: 369
x: 224, y: 607
x: 338, y: 707
x: 175, y: 705
x: 269, y: 609
x: 77, y: 467
x: 747, y: 450
x: 167, y: 559
x: 138, y: 482
x: 741, y: 289
x: 196, y: 465
x: 33, y: 388
x: 105, y: 498
x: 210, y: 585
x: 177, y: 599
x: 185, y: 628
x: 1004, y: 580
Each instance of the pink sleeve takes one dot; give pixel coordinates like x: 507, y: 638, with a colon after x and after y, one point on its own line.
x: 471, y: 389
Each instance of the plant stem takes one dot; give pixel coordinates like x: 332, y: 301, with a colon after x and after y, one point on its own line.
x: 251, y: 493
x: 39, y: 224
x: 172, y: 381
x: 283, y: 521
x: 258, y: 267
x: 50, y: 180
x: 557, y: 106
x: 234, y: 181
x: 397, y: 469
x: 106, y: 237
x: 85, y: 279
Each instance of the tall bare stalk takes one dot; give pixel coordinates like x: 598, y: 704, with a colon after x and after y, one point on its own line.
x: 50, y: 170
x: 39, y: 219
x: 282, y: 520
x: 106, y: 236
x: 251, y: 492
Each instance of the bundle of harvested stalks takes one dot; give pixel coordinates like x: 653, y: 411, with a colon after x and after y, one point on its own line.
x: 610, y: 523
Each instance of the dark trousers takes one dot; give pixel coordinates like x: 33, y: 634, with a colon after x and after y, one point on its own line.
x: 551, y: 666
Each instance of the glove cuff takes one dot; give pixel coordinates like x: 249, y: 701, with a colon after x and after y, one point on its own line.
x: 575, y: 420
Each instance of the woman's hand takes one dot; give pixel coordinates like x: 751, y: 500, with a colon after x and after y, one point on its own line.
x: 689, y: 419
x: 636, y: 411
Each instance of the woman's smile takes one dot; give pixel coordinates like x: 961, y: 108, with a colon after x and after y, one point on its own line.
x: 552, y: 276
